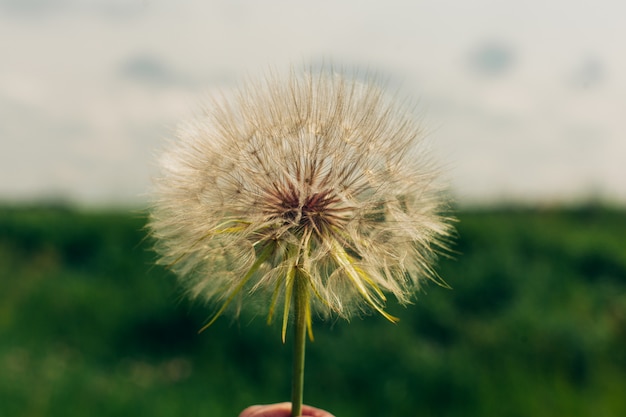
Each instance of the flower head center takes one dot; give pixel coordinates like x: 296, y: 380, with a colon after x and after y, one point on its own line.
x: 301, y: 210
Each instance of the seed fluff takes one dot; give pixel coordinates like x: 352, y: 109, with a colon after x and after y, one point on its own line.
x: 313, y: 177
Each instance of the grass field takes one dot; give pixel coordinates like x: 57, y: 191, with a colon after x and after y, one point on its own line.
x: 535, y: 325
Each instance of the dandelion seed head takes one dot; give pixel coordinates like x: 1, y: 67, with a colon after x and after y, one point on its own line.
x: 314, y: 176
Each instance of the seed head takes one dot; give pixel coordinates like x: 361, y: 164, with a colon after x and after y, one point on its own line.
x: 313, y: 177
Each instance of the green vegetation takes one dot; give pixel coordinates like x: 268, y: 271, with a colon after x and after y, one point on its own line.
x: 535, y: 326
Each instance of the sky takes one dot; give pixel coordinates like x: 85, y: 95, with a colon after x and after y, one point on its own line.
x: 522, y: 101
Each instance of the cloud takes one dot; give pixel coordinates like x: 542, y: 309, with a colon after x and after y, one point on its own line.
x: 147, y: 69
x: 46, y: 8
x: 590, y: 72
x: 34, y: 8
x: 492, y: 59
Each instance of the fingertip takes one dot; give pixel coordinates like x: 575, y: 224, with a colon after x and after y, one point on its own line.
x: 268, y: 410
x: 282, y: 410
x: 249, y: 412
x: 308, y: 411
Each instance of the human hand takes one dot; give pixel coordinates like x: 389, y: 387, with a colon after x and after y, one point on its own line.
x: 281, y: 410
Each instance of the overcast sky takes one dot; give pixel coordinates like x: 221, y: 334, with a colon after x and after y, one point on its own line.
x: 524, y: 100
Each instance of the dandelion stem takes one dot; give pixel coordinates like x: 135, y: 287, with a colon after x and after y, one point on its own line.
x: 300, y: 298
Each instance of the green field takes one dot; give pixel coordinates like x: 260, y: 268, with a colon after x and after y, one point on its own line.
x: 535, y: 325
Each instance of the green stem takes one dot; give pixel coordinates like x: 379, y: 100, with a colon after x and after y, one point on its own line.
x: 300, y: 298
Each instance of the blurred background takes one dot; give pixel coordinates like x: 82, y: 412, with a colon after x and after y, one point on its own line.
x: 524, y: 104
x: 524, y: 101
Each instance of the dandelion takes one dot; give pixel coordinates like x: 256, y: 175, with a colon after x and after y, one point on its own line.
x: 309, y: 194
